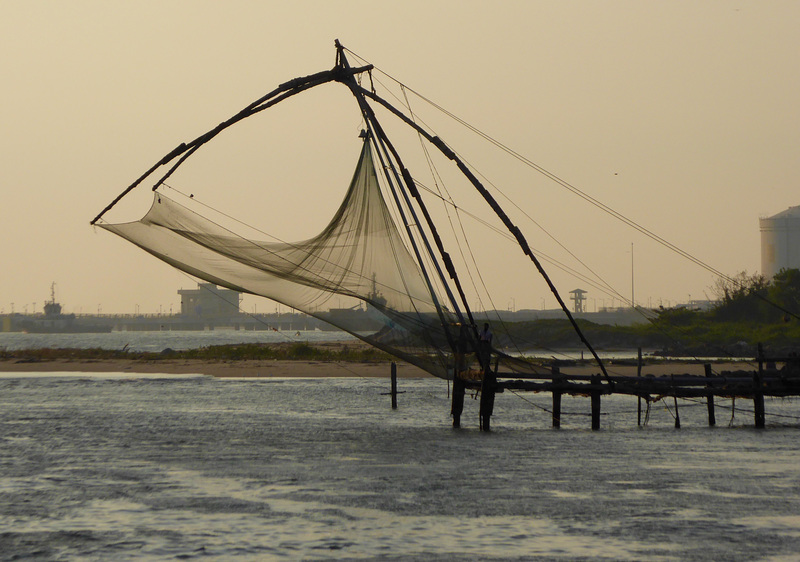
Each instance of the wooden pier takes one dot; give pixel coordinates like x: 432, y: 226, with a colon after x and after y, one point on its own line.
x: 774, y: 377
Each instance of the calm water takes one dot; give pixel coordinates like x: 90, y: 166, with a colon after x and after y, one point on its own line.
x: 122, y: 467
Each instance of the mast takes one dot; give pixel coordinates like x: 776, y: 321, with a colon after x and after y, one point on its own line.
x: 403, y: 178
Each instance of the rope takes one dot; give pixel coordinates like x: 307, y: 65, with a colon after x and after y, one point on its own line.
x: 535, y: 405
x: 741, y: 410
x: 576, y: 191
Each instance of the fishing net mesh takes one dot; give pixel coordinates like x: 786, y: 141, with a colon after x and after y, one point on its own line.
x: 357, y: 274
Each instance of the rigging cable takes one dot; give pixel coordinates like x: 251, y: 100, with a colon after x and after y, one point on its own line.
x: 609, y: 290
x: 582, y: 194
x: 605, y: 288
x: 492, y: 202
x: 449, y: 202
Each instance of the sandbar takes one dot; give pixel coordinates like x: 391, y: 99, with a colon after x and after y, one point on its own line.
x: 243, y: 368
x: 316, y: 369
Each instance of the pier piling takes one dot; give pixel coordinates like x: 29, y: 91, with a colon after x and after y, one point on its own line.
x: 758, y: 391
x: 638, y: 375
x: 394, y: 385
x: 556, y: 398
x: 780, y: 379
x: 595, y: 381
x: 712, y: 418
x: 488, y: 390
x: 459, y: 389
x: 758, y: 400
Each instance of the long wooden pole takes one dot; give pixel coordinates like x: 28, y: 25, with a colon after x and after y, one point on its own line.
x: 513, y: 229
x: 284, y: 91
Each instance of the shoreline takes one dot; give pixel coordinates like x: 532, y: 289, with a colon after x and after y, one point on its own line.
x: 277, y: 368
x: 222, y: 369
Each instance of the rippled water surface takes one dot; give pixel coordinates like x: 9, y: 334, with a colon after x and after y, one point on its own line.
x: 152, y: 468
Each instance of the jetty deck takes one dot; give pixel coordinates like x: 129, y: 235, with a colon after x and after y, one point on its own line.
x: 771, y: 377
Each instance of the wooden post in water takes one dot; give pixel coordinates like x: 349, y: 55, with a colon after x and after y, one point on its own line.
x: 758, y: 390
x: 488, y: 389
x: 459, y: 389
x: 595, y: 381
x: 556, y: 398
x: 639, y: 374
x: 394, y: 385
x: 712, y: 418
x: 675, y: 398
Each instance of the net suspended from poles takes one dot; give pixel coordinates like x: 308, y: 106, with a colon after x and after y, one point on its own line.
x: 393, y: 285
x: 356, y: 274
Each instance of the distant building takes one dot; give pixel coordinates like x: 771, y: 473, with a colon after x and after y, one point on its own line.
x: 578, y: 297
x: 209, y: 301
x: 780, y: 242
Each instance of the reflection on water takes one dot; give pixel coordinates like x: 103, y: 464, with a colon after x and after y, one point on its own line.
x: 148, y: 468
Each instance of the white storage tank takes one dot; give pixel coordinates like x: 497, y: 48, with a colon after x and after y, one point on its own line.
x: 780, y: 242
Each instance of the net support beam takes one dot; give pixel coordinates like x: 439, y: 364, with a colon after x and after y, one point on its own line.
x: 490, y: 200
x: 282, y: 92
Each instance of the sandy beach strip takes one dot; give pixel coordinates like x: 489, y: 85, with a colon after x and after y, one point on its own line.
x: 245, y: 368
x: 317, y: 369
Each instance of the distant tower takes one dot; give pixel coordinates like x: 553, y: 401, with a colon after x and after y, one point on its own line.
x: 51, y: 307
x: 780, y: 242
x: 578, y: 298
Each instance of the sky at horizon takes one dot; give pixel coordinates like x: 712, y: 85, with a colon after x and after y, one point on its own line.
x: 679, y: 115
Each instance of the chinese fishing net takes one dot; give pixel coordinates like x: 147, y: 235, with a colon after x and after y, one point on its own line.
x: 359, y: 263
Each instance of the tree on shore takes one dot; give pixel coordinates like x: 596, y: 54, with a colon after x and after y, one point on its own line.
x: 754, y: 298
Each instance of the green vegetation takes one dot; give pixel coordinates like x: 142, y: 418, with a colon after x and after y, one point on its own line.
x: 751, y: 310
x: 559, y: 334
x: 288, y: 352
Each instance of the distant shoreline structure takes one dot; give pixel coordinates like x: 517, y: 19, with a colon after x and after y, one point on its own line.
x: 286, y: 321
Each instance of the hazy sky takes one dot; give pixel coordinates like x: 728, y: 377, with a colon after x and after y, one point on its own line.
x: 683, y: 116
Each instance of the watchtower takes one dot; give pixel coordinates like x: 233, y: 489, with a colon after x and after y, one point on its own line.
x: 577, y: 296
